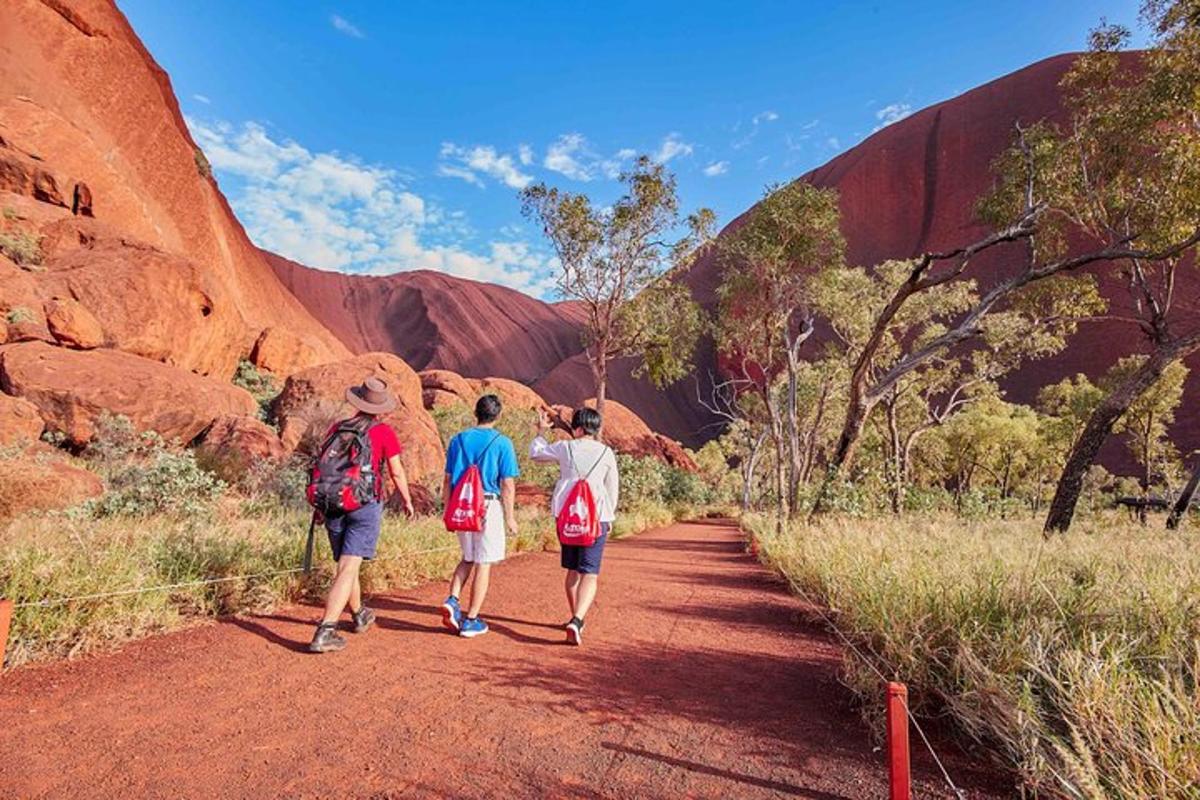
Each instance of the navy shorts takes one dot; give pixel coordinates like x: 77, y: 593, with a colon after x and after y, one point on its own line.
x: 355, y: 533
x: 586, y: 560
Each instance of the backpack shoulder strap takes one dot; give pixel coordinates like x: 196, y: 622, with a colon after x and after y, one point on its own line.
x: 479, y: 458
x: 603, y: 453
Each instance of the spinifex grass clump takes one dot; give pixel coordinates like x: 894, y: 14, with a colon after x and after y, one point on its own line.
x: 1074, y: 660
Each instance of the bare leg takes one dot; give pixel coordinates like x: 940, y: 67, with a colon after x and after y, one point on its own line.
x: 585, y: 594
x: 356, y: 603
x: 461, y: 573
x: 479, y: 588
x: 343, y: 587
x: 572, y: 587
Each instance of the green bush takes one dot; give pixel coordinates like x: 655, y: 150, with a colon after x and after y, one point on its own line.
x: 166, y: 483
x: 25, y: 249
x: 19, y: 314
x: 202, y: 165
x: 262, y: 386
x: 683, y: 487
x: 643, y: 480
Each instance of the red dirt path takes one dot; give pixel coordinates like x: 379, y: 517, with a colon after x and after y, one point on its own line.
x: 700, y: 677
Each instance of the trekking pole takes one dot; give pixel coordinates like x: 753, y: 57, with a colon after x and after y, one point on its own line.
x: 308, y: 547
x: 899, y: 773
x: 6, y: 608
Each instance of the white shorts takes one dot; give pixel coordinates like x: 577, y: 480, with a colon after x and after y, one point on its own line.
x: 487, y: 546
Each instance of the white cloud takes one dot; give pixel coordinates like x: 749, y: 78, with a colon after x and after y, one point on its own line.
x: 716, y: 168
x: 565, y: 156
x: 199, y: 98
x: 343, y: 25
x: 833, y: 142
x: 525, y: 154
x: 672, y: 147
x: 892, y: 113
x: 458, y: 161
x: 338, y: 213
x: 765, y: 116
x: 756, y: 121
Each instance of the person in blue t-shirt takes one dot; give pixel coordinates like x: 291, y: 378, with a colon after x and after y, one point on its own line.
x: 493, y: 453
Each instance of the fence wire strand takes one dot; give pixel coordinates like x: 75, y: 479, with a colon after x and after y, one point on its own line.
x: 49, y: 602
x: 870, y: 662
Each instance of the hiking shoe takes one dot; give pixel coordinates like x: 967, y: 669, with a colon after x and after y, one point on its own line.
x: 472, y: 628
x: 363, y: 619
x: 452, y: 615
x: 575, y: 631
x: 326, y: 639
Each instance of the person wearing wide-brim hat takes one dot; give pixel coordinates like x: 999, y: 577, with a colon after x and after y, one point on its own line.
x: 354, y: 534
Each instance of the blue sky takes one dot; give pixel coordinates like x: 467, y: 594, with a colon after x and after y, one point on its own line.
x: 376, y: 137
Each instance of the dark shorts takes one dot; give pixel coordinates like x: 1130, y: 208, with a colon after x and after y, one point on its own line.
x: 586, y: 560
x: 356, y: 533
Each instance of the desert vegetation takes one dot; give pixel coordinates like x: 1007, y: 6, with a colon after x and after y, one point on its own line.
x: 172, y: 515
x: 886, y: 473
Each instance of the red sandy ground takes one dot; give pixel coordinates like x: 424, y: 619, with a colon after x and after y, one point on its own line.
x: 700, y: 677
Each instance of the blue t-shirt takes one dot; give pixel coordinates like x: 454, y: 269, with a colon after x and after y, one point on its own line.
x: 499, y: 459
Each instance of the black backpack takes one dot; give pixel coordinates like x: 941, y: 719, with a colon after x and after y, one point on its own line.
x: 343, y: 477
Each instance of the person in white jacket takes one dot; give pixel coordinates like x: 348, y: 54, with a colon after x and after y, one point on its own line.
x: 583, y: 455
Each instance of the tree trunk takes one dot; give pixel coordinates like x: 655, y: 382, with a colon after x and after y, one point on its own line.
x: 777, y: 438
x: 1185, y: 498
x: 1100, y: 425
x: 748, y: 471
x: 795, y: 467
x: 856, y: 419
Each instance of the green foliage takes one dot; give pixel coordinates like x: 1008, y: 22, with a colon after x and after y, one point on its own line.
x: 24, y: 248
x: 617, y: 260
x: 202, y: 165
x: 19, y: 314
x: 166, y: 483
x: 1145, y: 424
x: 10, y: 214
x: 262, y: 386
x: 643, y: 479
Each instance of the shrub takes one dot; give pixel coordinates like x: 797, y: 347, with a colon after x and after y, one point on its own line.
x: 166, y: 483
x: 19, y: 314
x: 643, y: 479
x: 10, y: 213
x: 681, y: 486
x: 202, y: 165
x: 25, y: 249
x: 170, y: 483
x: 262, y: 386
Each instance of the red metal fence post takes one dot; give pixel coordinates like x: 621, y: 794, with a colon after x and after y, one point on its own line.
x: 899, y: 771
x: 6, y: 608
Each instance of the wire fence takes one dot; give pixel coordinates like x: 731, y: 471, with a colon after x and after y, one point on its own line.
x: 871, y: 662
x: 50, y: 602
x: 817, y: 606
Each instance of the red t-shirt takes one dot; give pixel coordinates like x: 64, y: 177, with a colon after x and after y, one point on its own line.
x: 384, y: 445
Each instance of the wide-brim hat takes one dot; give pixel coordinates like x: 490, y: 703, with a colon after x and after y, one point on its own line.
x: 372, y: 396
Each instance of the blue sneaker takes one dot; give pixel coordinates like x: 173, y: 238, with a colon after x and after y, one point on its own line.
x: 472, y: 628
x: 452, y: 614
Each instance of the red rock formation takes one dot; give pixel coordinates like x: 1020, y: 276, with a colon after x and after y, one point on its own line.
x: 71, y: 388
x: 626, y: 433
x: 20, y: 422
x: 432, y: 320
x: 314, y: 398
x: 81, y: 101
x: 72, y: 325
x: 245, y: 438
x: 41, y: 479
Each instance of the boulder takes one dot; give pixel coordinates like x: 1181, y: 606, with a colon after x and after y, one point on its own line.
x: 148, y: 302
x: 71, y: 388
x: 437, y: 398
x: 37, y: 480
x: 20, y: 422
x: 245, y: 438
x: 513, y: 395
x: 448, y: 382
x: 314, y: 398
x: 283, y: 352
x: 27, y: 326
x: 72, y: 325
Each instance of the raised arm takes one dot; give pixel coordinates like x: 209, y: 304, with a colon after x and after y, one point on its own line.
x: 540, y: 450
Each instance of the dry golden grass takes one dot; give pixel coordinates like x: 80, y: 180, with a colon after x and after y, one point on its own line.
x: 1073, y: 660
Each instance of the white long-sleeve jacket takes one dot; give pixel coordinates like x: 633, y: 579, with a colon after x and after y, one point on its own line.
x: 576, y: 458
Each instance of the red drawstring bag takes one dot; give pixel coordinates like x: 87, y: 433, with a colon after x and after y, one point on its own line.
x: 465, y: 511
x: 578, y: 523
